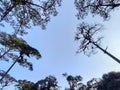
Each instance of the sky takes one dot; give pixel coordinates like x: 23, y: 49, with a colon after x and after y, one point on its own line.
x: 58, y: 49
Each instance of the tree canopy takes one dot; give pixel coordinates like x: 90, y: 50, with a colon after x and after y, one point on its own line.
x: 95, y: 7
x: 109, y: 81
x: 49, y: 83
x: 23, y: 14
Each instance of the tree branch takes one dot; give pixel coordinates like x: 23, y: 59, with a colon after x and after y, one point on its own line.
x: 34, y: 4
x: 9, y: 69
x: 7, y: 12
x: 5, y: 53
x: 109, y: 54
x: 112, y: 5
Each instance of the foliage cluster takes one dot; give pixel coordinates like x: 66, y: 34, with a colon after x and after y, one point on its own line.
x: 109, y: 81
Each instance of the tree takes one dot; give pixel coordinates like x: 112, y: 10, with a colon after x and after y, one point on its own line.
x: 110, y: 81
x: 16, y: 49
x: 85, y: 35
x: 74, y: 82
x: 85, y: 32
x: 49, y: 83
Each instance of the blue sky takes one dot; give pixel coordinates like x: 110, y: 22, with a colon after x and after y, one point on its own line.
x: 58, y: 49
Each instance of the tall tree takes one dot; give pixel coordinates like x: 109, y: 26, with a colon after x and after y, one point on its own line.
x: 85, y: 32
x: 86, y: 35
x: 16, y: 49
x: 25, y: 85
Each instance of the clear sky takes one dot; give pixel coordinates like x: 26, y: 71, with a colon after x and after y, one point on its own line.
x: 58, y: 49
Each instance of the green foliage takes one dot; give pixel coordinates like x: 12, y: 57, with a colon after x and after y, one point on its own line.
x: 49, y: 83
x: 18, y: 47
x: 18, y: 44
x: 25, y: 85
x: 22, y: 14
x: 95, y: 7
x: 8, y: 80
x: 74, y: 81
x: 109, y: 81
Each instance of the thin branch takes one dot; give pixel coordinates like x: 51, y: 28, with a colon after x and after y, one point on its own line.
x: 7, y: 12
x: 9, y: 69
x: 112, y: 5
x: 115, y: 5
x: 34, y: 4
x: 109, y: 54
x: 5, y: 53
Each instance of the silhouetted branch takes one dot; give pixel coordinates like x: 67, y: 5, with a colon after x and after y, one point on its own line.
x: 8, y: 80
x: 7, y: 12
x: 34, y: 4
x: 9, y: 68
x: 109, y: 54
x: 105, y: 5
x: 4, y: 53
